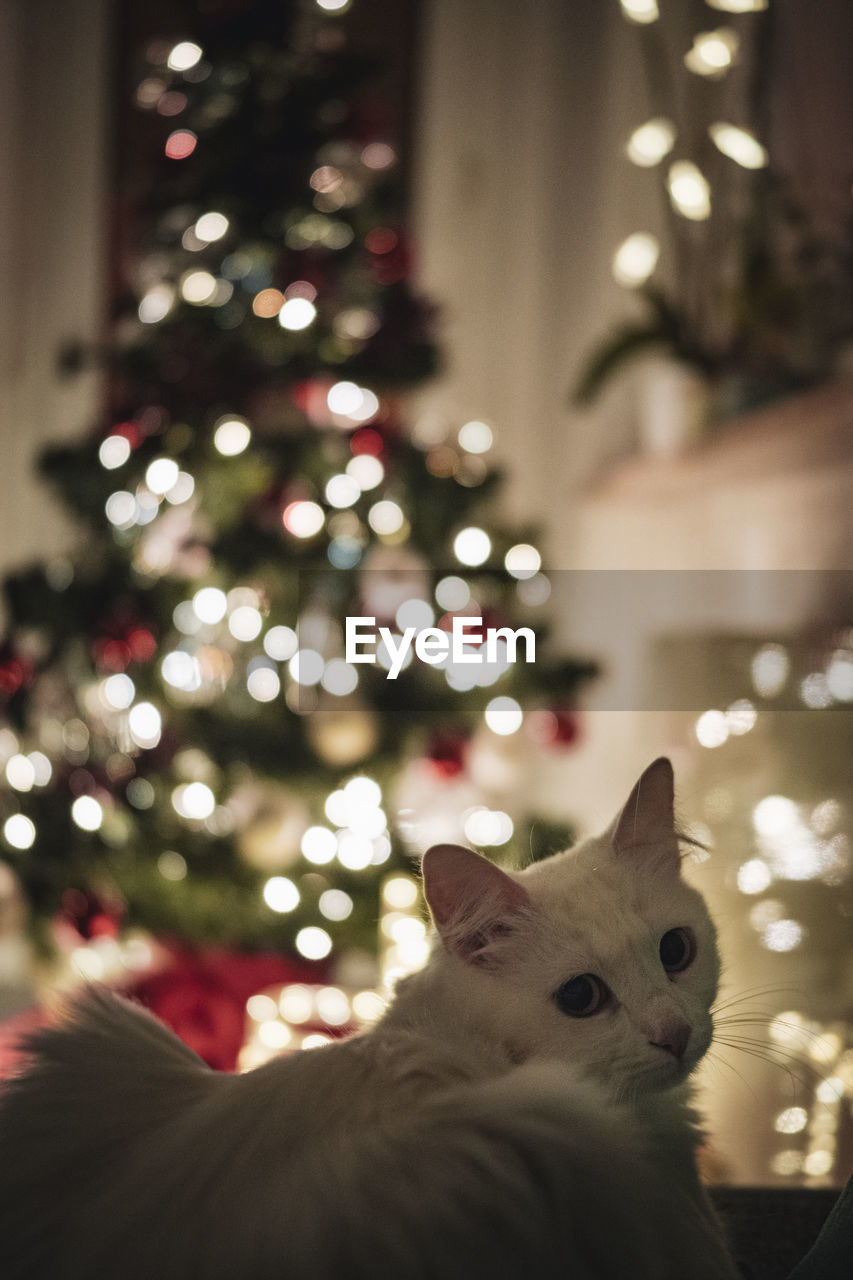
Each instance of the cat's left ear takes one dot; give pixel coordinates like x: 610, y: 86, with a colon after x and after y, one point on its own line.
x: 472, y: 901
x: 647, y: 821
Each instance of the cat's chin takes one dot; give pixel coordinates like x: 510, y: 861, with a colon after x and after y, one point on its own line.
x: 667, y: 1072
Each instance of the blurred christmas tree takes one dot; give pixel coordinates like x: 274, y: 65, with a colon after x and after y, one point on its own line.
x: 185, y: 748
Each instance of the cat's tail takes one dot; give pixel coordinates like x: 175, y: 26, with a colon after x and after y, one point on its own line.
x: 108, y: 1075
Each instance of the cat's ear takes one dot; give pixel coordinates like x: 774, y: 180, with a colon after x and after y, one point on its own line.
x: 648, y: 818
x: 472, y: 901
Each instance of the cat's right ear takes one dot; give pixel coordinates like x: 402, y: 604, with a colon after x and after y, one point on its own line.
x: 472, y: 901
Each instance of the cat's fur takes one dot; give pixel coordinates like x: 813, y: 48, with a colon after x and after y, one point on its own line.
x: 476, y: 1132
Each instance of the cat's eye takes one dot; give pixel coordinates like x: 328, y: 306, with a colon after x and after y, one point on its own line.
x: 581, y: 996
x: 677, y: 950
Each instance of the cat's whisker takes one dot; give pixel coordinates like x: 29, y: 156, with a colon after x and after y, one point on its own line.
x: 764, y: 1053
x: 753, y: 993
x: 720, y: 1062
x: 813, y: 1040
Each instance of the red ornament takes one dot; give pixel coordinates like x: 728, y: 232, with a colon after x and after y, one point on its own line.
x: 90, y: 914
x: 202, y: 996
x: 15, y: 671
x: 446, y: 752
x: 124, y: 639
x: 558, y: 727
x: 366, y: 440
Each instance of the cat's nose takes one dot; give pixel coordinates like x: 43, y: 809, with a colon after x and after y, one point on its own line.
x: 673, y: 1036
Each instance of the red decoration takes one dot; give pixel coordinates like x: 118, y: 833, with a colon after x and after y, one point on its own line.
x: 15, y: 671
x: 446, y: 752
x: 381, y: 240
x: 202, y: 996
x: 124, y: 639
x: 130, y: 431
x: 557, y: 728
x: 90, y: 914
x: 366, y: 440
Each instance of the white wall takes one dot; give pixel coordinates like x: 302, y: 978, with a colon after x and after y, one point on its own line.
x: 53, y: 126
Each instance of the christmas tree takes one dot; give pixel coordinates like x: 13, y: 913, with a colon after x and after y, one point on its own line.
x: 186, y: 747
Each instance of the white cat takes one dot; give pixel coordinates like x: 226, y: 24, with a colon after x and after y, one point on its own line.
x: 521, y: 1110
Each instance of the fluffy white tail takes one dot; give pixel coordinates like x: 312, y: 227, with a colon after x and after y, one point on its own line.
x: 103, y: 1084
x: 121, y: 1154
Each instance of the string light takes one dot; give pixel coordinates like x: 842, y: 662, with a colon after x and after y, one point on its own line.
x: 87, y: 813
x: 712, y: 729
x: 783, y: 935
x: 642, y: 11
x: 335, y: 905
x: 193, y: 800
x: 313, y: 943
x: 181, y: 670
x: 120, y: 509
x: 210, y: 605
x: 42, y: 768
x: 180, y: 144
x: 231, y: 436
x: 281, y: 894
x: 263, y: 684
x: 402, y: 932
x: 306, y: 667
x: 182, y: 490
x: 275, y: 1035
x: 504, y: 716
x: 651, y: 142
x: 296, y: 1003
x: 197, y: 287
x: 161, y: 475
x: 342, y: 491
x: 245, y: 623
x: 534, y: 591
x: 770, y: 669
x: 385, y: 517
x: 366, y: 470
x: 415, y: 613
x: 211, y: 227
x: 738, y: 6
x: 739, y: 145
x: 355, y: 852
x: 689, y: 190
x: 114, y: 452
x: 472, y: 546
x: 183, y: 56
x: 154, y: 306
x: 741, y: 717
x: 303, y: 519
x: 172, y: 866
x: 485, y: 827
x: 522, y: 561
x: 791, y: 1120
x: 347, y: 400
x: 839, y: 676
x: 145, y: 724
x: 296, y: 314
x: 713, y: 52
x: 19, y: 831
x: 339, y: 678
x: 280, y: 643
x: 20, y: 773
x: 635, y: 259
x: 452, y: 593
x: 475, y: 437
x: 319, y: 845
x: 754, y: 876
